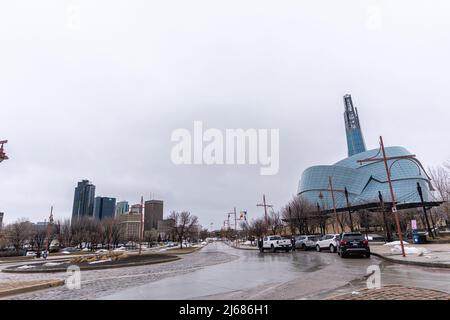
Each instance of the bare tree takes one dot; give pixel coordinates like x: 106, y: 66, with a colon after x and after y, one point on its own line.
x: 258, y: 227
x: 64, y: 235
x: 18, y: 233
x: 440, y: 178
x: 274, y: 222
x: 37, y: 239
x: 184, y: 223
x: 300, y: 215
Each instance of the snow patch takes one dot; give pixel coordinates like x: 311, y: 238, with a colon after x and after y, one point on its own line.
x: 99, y: 261
x: 409, y: 250
x: 394, y: 243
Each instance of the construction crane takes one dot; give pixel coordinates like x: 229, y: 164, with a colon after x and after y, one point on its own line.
x: 3, y: 155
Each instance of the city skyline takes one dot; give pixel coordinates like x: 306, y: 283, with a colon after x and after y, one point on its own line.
x: 105, y: 111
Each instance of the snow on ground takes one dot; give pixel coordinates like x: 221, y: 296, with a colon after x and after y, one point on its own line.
x: 394, y: 243
x: 409, y: 250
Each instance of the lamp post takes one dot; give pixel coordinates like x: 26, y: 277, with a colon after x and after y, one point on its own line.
x: 386, y: 226
x: 419, y: 190
x: 265, y: 205
x: 3, y: 155
x: 348, y: 207
x: 388, y: 173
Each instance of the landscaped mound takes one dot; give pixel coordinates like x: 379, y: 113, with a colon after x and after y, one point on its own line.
x: 100, y: 261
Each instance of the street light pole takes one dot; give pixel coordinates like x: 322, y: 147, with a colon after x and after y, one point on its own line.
x: 419, y: 190
x: 141, y: 225
x: 266, y: 220
x: 386, y: 226
x: 394, y: 207
x: 334, y: 205
x: 348, y: 207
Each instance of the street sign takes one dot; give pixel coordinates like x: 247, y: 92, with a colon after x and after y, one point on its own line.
x: 414, y: 224
x: 394, y: 209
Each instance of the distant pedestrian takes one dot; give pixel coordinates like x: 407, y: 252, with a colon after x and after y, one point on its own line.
x: 293, y: 243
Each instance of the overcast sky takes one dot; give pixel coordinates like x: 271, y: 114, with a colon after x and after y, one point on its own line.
x: 94, y: 89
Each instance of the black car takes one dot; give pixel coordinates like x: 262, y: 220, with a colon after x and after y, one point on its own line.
x: 353, y: 243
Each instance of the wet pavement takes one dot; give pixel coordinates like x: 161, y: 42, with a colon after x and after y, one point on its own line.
x: 256, y: 276
x: 221, y: 272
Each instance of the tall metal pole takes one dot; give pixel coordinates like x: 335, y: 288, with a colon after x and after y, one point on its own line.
x: 348, y: 207
x: 49, y: 228
x: 394, y: 207
x: 141, y: 227
x: 334, y: 205
x: 265, y: 205
x: 419, y: 190
x: 235, y: 225
x: 386, y: 226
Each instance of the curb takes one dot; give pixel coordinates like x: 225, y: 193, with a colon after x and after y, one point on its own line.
x: 94, y: 267
x: 240, y: 247
x: 366, y: 290
x: 413, y: 263
x: 40, y: 286
x: 183, y: 253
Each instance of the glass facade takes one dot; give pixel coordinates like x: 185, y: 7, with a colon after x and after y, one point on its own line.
x: 104, y: 207
x: 355, y: 140
x: 363, y: 181
x: 83, y: 201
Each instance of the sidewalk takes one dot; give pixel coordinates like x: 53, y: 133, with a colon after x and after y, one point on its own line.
x: 394, y: 292
x: 436, y: 255
x: 17, y: 287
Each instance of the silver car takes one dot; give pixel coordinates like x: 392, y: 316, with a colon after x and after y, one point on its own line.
x: 306, y: 242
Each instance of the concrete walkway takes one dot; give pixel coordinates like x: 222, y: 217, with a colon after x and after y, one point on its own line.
x: 436, y: 255
x: 394, y: 292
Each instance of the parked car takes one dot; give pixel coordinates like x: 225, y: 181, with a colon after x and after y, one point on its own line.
x: 353, y: 243
x: 30, y: 254
x: 69, y: 250
x: 275, y: 243
x: 305, y: 242
x: 328, y: 242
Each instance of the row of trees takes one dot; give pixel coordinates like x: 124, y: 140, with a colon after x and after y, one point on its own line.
x: 301, y: 217
x: 89, y: 233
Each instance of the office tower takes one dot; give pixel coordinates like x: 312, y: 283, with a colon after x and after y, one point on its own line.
x: 122, y: 207
x: 83, y: 202
x: 153, y: 212
x: 104, y: 207
x: 355, y: 140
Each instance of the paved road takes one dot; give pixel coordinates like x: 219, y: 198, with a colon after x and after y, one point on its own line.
x: 256, y: 276
x: 221, y: 272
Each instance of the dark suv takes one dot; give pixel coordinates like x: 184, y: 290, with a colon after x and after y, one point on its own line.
x: 353, y: 243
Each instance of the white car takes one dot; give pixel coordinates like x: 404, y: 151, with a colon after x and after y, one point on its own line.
x: 328, y: 242
x: 102, y: 251
x: 275, y: 243
x: 30, y: 254
x: 306, y: 242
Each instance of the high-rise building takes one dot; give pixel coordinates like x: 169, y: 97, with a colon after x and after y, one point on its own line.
x: 132, y: 226
x: 104, y: 207
x: 122, y: 207
x: 153, y: 212
x: 355, y: 140
x: 364, y: 182
x: 1, y: 220
x: 135, y: 209
x: 83, y: 202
